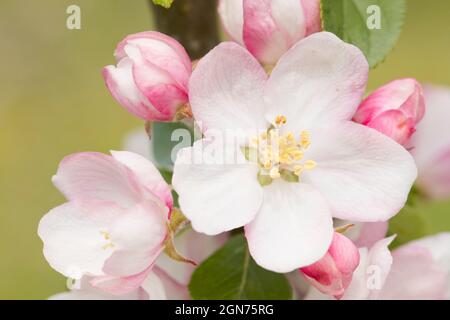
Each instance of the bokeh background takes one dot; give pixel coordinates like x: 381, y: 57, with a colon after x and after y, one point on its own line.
x: 53, y: 102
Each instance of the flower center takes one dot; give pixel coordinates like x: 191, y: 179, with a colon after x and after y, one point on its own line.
x: 280, y: 155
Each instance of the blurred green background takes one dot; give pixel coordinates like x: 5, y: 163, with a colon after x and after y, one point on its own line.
x: 53, y: 102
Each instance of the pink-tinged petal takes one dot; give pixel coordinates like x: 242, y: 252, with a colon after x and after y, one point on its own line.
x: 154, y: 287
x: 431, y: 144
x: 87, y: 292
x: 159, y: 41
x: 324, y: 276
x: 293, y: 228
x: 96, y: 176
x: 120, y: 285
x: 405, y: 95
x: 271, y: 27
x: 368, y: 278
x: 311, y: 8
x: 344, y: 253
x: 214, y: 196
x: 73, y: 237
x: 231, y: 13
x: 163, y: 55
x: 138, y: 238
x: 357, y: 290
x: 157, y: 84
x: 225, y: 89
x: 394, y: 109
x: 332, y: 274
x: 438, y: 246
x: 435, y: 180
x: 152, y: 75
x: 173, y: 289
x: 319, y: 80
x: 190, y: 244
x: 121, y: 85
x: 364, y: 175
x: 370, y: 233
x: 394, y: 124
x: 414, y: 276
x: 147, y: 174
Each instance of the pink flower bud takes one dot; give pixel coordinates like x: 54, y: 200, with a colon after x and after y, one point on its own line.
x: 394, y: 109
x: 268, y: 28
x: 333, y: 273
x: 151, y: 77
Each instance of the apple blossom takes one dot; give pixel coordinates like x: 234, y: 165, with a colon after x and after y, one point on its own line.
x: 167, y: 280
x: 113, y: 226
x: 394, y: 109
x: 370, y: 275
x: 332, y: 274
x: 420, y: 270
x: 268, y: 28
x: 312, y: 162
x: 417, y: 270
x: 151, y: 76
x: 431, y: 144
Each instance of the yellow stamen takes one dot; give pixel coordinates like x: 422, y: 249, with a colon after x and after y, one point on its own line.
x: 280, y: 153
x: 310, y: 164
x: 280, y: 120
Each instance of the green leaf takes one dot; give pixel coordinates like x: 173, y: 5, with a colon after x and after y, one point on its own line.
x: 348, y: 19
x: 167, y: 138
x: 231, y: 274
x: 423, y: 219
x: 163, y: 3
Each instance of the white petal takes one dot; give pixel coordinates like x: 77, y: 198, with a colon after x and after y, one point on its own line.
x: 292, y: 229
x: 137, y: 141
x: 215, y: 197
x: 73, y: 241
x: 380, y: 262
x: 173, y: 289
x: 364, y: 175
x: 231, y: 13
x: 154, y: 287
x: 320, y: 79
x: 138, y: 237
x: 225, y: 89
x: 370, y: 276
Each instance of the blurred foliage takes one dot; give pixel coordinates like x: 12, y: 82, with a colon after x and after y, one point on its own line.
x: 420, y: 219
x: 164, y: 3
x: 54, y: 103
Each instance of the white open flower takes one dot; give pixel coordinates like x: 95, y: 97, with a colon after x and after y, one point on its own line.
x: 322, y: 165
